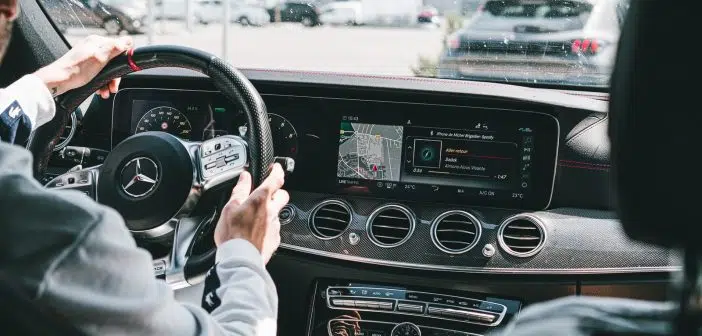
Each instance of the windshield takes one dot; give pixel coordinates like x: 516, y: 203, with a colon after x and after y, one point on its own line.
x: 535, y: 42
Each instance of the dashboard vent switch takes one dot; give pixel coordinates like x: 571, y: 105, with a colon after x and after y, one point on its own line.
x: 390, y: 225
x: 330, y: 219
x: 455, y: 232
x: 522, y: 235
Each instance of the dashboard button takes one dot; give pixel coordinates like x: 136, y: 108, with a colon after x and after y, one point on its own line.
x: 361, y: 304
x: 385, y: 305
x: 343, y: 303
x: 435, y: 311
x: 410, y: 307
x: 286, y: 215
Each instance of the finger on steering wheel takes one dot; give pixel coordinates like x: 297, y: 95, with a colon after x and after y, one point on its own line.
x: 108, y: 89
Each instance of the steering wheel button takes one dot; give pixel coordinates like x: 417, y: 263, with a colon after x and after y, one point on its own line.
x: 210, y: 165
x: 231, y: 158
x: 221, y: 163
x: 71, y: 180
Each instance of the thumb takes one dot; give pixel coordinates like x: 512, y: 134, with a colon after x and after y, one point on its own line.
x: 242, y: 189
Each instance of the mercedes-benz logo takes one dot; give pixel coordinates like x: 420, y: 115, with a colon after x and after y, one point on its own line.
x: 139, y: 177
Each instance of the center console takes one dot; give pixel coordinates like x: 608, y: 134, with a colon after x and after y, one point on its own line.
x: 348, y: 308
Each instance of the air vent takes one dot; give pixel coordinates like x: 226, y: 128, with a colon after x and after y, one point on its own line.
x: 330, y: 219
x: 455, y: 232
x: 390, y: 225
x: 522, y: 235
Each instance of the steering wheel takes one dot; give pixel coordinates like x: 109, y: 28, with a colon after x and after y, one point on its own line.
x: 154, y: 179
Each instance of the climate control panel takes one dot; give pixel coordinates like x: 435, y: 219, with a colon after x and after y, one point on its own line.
x: 345, y: 308
x: 417, y: 303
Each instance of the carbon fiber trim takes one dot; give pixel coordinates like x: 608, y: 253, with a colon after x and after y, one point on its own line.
x: 579, y: 241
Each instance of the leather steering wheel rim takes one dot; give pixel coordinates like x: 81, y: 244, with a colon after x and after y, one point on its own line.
x: 230, y: 82
x: 227, y: 79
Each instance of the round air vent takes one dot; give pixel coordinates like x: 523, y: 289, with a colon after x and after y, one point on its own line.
x: 330, y: 219
x: 455, y: 231
x: 522, y: 235
x: 390, y: 225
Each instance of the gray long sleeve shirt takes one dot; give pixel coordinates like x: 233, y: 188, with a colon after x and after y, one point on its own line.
x: 78, y: 258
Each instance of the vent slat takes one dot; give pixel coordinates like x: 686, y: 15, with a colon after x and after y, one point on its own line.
x: 520, y: 227
x: 455, y: 232
x: 457, y: 221
x: 319, y: 227
x: 393, y: 217
x: 455, y: 242
x: 390, y: 226
x: 334, y: 211
x: 522, y: 237
x: 330, y: 220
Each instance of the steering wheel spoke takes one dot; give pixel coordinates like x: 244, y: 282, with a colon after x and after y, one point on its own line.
x: 84, y: 180
x: 184, y: 239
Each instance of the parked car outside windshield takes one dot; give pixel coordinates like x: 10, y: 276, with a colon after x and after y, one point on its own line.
x: 561, y: 43
x: 543, y: 42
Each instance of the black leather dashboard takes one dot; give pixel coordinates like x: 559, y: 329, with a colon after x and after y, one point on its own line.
x: 582, y: 235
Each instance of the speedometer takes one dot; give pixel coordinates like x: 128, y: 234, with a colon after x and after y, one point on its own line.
x: 165, y: 119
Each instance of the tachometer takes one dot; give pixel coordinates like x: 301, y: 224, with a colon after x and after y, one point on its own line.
x: 283, y: 132
x: 165, y: 119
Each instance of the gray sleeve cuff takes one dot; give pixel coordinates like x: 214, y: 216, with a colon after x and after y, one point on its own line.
x: 240, y: 248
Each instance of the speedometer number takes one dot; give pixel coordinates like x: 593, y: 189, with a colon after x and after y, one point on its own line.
x: 165, y: 119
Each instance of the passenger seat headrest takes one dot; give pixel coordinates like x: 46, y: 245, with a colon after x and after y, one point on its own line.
x: 655, y: 123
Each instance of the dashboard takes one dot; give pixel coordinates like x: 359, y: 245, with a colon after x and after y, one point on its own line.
x: 417, y: 207
x: 484, y: 156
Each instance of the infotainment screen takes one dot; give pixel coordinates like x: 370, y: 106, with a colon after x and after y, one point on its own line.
x: 487, y: 160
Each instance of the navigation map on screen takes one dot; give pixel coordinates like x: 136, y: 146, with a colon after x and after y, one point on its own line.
x: 370, y: 151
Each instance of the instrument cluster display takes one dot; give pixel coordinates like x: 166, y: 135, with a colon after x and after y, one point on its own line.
x: 192, y: 116
x: 463, y: 155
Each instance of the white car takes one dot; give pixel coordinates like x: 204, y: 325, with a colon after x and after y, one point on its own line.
x: 342, y: 13
x: 242, y: 12
x: 175, y: 10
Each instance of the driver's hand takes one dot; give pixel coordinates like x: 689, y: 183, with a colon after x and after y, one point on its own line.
x: 82, y: 63
x: 254, y: 215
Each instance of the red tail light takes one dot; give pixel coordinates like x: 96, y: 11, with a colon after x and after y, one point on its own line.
x: 585, y: 46
x: 453, y: 42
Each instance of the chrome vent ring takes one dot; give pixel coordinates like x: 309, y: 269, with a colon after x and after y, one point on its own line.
x: 522, y: 235
x: 330, y: 219
x: 390, y: 225
x: 456, y: 232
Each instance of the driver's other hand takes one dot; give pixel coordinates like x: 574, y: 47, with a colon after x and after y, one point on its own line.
x: 254, y: 215
x: 82, y: 63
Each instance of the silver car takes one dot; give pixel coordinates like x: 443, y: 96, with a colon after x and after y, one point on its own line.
x: 570, y: 42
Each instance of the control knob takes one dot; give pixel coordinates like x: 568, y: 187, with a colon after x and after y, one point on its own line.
x: 406, y: 329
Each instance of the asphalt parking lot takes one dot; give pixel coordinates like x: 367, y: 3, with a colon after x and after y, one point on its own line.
x: 365, y: 50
